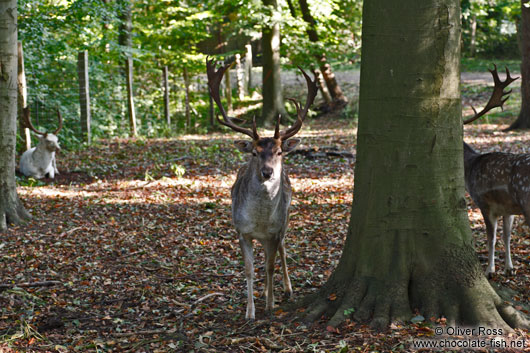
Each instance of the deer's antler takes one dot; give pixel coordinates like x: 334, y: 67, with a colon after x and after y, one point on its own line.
x: 214, y: 80
x: 60, y: 118
x: 28, y: 123
x: 497, y: 98
x: 312, y: 90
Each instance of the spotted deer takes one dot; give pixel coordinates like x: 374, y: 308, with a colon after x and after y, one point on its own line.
x: 39, y: 161
x: 261, y: 194
x: 498, y: 182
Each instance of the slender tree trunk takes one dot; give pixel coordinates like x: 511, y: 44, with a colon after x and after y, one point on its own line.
x: 409, y: 245
x: 473, y: 41
x: 523, y: 120
x: 125, y: 41
x: 11, y: 209
x: 167, y: 116
x: 248, y: 68
x: 272, y: 82
x: 187, y: 103
x: 331, y: 82
x: 240, y: 77
x: 84, y: 95
x: 228, y: 91
x: 322, y: 86
x: 22, y: 94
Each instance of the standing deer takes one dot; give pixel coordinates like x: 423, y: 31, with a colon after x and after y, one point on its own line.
x: 40, y: 160
x: 499, y: 183
x: 261, y: 194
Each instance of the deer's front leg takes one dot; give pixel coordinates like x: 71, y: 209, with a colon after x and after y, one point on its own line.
x: 285, y: 273
x: 248, y: 258
x: 271, y: 248
x: 491, y: 230
x: 54, y: 164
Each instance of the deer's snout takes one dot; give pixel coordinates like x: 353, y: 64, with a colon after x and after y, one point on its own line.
x: 266, y: 172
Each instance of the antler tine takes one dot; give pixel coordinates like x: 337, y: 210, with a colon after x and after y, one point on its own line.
x: 60, y: 122
x: 214, y: 80
x: 312, y: 90
x: 277, y: 127
x: 29, y: 125
x: 497, y: 98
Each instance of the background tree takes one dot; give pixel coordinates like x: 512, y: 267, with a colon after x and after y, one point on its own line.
x: 11, y: 209
x: 409, y: 244
x: 523, y: 120
x: 272, y: 81
x: 329, y: 77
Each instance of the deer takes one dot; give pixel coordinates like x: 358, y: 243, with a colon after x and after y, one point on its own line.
x: 261, y: 194
x: 39, y: 161
x: 498, y: 182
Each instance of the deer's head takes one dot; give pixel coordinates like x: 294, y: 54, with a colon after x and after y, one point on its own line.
x: 48, y: 140
x: 267, y: 152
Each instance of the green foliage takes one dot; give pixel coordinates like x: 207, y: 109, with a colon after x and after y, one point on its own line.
x: 497, y: 24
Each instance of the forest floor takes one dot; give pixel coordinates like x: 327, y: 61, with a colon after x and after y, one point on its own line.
x: 135, y: 242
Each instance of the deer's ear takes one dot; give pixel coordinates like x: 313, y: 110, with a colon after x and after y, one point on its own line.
x: 290, y: 144
x: 244, y: 146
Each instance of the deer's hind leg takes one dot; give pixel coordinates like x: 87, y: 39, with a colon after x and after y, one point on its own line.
x: 271, y: 248
x: 285, y: 273
x: 506, y: 237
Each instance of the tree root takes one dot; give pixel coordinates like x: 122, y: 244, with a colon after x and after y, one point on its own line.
x: 380, y: 304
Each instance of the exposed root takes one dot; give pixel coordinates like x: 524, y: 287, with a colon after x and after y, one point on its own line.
x: 381, y: 304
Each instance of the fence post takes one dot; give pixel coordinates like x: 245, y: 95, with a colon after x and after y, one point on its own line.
x: 166, y: 96
x: 22, y: 95
x: 187, y: 103
x: 130, y: 97
x: 84, y: 95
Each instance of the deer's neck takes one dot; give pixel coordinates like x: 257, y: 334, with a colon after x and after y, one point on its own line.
x: 41, y: 155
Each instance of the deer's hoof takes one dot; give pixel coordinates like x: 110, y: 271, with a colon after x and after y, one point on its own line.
x: 508, y: 272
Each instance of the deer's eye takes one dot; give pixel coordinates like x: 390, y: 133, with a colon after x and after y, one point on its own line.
x: 279, y: 153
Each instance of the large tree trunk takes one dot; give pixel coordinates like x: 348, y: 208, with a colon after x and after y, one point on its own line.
x: 523, y: 120
x: 331, y: 82
x: 11, y: 209
x: 409, y: 244
x: 272, y: 82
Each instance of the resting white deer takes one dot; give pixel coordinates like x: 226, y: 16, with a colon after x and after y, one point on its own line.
x: 39, y: 161
x: 499, y: 183
x: 262, y: 192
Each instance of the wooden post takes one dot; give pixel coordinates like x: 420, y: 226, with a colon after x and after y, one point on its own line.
x: 240, y: 77
x: 248, y: 68
x: 130, y: 97
x: 22, y: 95
x: 166, y: 97
x: 84, y: 95
x: 187, y: 89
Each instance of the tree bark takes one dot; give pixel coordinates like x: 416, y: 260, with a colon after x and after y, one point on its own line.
x: 523, y: 120
x: 272, y: 82
x: 409, y: 246
x: 331, y: 82
x: 11, y: 209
